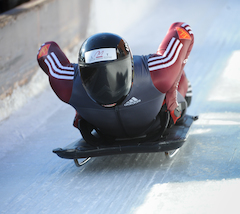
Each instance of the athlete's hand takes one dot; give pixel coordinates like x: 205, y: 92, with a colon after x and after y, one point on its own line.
x: 76, y: 120
x: 175, y: 115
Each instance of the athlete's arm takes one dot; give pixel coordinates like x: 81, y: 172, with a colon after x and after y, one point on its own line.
x: 166, y: 66
x: 57, y: 66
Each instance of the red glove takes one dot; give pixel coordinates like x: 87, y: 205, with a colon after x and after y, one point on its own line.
x: 175, y: 115
x: 76, y: 119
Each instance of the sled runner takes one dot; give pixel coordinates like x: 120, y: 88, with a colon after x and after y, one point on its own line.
x: 169, y: 142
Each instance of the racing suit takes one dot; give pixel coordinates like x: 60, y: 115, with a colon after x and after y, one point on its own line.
x: 158, y: 78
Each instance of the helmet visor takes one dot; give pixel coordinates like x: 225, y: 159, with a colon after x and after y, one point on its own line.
x: 108, y: 82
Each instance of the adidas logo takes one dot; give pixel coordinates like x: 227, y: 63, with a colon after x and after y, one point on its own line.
x: 132, y: 101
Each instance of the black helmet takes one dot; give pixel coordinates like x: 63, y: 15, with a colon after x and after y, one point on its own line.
x: 106, y: 68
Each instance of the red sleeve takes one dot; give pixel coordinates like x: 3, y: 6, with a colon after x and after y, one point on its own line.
x: 57, y: 66
x: 166, y: 66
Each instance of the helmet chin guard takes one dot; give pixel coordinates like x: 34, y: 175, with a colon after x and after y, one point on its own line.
x: 106, y: 68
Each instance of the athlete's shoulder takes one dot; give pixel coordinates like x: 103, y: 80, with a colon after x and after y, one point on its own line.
x: 56, y: 65
x: 45, y: 50
x: 182, y: 30
x: 54, y: 62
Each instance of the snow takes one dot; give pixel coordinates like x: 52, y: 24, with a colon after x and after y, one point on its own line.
x: 229, y: 79
x: 202, y: 178
x: 207, y: 195
x: 22, y: 94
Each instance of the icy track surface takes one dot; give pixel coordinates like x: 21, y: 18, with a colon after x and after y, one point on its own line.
x: 202, y: 178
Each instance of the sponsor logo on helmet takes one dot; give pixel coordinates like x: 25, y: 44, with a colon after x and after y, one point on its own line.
x: 183, y: 34
x: 99, y: 55
x: 43, y: 51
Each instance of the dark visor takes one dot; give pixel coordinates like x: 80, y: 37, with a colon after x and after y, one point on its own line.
x: 107, y: 82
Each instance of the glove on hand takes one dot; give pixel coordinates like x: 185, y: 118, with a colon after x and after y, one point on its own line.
x: 76, y: 120
x: 175, y: 115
